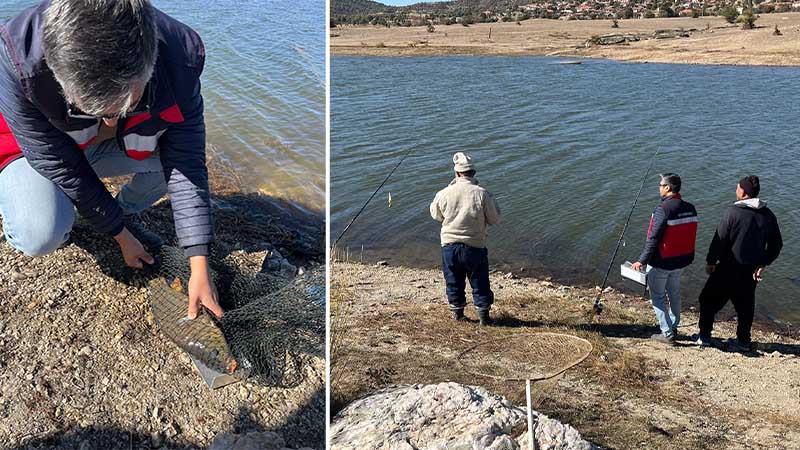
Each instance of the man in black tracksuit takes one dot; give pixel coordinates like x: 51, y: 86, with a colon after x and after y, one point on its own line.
x: 747, y: 240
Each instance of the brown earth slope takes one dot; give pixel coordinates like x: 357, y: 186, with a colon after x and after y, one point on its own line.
x: 711, y: 40
x: 83, y: 366
x: 391, y: 325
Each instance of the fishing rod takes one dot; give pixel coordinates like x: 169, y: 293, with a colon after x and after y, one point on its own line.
x: 408, y: 152
x: 598, y: 304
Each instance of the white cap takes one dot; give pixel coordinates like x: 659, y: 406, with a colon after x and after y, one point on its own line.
x: 462, y: 162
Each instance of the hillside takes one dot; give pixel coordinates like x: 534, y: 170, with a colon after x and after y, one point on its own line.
x: 358, y: 7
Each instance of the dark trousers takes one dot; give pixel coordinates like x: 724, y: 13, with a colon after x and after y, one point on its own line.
x: 460, y: 261
x: 734, y: 283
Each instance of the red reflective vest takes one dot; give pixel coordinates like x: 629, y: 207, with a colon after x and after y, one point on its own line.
x: 677, y: 244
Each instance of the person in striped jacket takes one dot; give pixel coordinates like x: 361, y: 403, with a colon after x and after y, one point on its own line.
x: 669, y: 248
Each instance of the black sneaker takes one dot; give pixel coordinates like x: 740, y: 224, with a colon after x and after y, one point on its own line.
x: 151, y: 241
x: 658, y: 337
x: 483, y: 316
x: 701, y: 341
x: 738, y: 346
x: 458, y: 314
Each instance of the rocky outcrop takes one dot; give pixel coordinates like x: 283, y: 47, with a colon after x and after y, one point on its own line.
x: 444, y: 416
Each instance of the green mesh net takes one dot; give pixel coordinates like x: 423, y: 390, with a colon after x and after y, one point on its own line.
x: 271, y: 328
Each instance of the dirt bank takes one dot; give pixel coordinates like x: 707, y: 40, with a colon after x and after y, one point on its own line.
x: 83, y: 366
x: 392, y: 326
x: 710, y: 40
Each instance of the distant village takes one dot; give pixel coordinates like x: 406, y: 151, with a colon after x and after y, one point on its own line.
x: 569, y: 10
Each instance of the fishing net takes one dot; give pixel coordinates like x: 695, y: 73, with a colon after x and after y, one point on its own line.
x: 530, y: 356
x: 271, y: 328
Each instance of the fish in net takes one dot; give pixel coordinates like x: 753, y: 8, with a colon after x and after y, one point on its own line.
x: 271, y: 328
x: 529, y: 356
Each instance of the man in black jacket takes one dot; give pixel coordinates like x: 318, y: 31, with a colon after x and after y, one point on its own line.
x: 103, y: 88
x: 668, y: 249
x: 746, y: 241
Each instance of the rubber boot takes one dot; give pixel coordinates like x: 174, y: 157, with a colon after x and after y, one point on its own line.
x: 458, y: 314
x: 483, y: 316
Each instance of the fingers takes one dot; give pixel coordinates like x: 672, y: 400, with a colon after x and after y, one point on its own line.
x: 146, y: 257
x: 194, y: 307
x: 213, y: 306
x: 136, y: 263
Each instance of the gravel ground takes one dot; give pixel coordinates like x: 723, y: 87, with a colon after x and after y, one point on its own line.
x: 391, y: 325
x: 83, y: 366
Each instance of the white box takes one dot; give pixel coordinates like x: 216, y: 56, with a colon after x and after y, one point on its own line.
x: 635, y: 275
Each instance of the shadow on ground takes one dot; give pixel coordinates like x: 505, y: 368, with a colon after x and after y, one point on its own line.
x: 297, y: 431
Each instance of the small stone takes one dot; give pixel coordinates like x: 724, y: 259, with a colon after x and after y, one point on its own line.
x: 243, y: 393
x: 85, y: 350
x: 156, y: 439
x: 171, y: 431
x: 382, y: 263
x: 18, y: 276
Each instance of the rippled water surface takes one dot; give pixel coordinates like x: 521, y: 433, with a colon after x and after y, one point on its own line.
x: 564, y: 149
x: 264, y: 88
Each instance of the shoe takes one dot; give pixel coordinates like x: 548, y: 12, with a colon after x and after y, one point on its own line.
x: 658, y: 337
x: 151, y: 241
x: 458, y: 314
x: 675, y: 333
x: 701, y: 341
x: 483, y: 316
x: 736, y: 346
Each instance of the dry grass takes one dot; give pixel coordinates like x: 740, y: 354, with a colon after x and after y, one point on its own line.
x: 613, y: 397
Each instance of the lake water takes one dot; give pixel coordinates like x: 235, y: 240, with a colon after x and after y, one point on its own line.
x: 564, y: 149
x: 264, y: 89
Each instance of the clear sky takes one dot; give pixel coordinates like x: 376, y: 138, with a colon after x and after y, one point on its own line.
x: 404, y: 2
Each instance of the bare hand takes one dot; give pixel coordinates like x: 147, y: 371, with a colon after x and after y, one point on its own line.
x: 637, y: 266
x: 710, y: 268
x: 132, y: 250
x: 759, y: 273
x: 201, y: 289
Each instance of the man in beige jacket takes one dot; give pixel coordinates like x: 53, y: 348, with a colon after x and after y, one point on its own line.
x: 465, y: 211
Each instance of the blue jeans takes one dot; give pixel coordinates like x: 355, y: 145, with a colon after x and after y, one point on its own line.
x: 38, y: 217
x: 460, y: 261
x: 663, y: 284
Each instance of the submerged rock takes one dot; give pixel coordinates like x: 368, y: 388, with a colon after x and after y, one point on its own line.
x: 444, y: 416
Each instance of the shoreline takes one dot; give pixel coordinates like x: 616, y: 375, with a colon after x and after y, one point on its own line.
x: 390, y: 325
x: 515, y: 270
x: 708, y: 40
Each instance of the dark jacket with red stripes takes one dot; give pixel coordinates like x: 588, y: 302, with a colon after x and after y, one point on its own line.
x: 34, y: 125
x: 671, y: 236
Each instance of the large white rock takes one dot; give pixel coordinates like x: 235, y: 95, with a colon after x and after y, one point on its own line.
x: 444, y: 416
